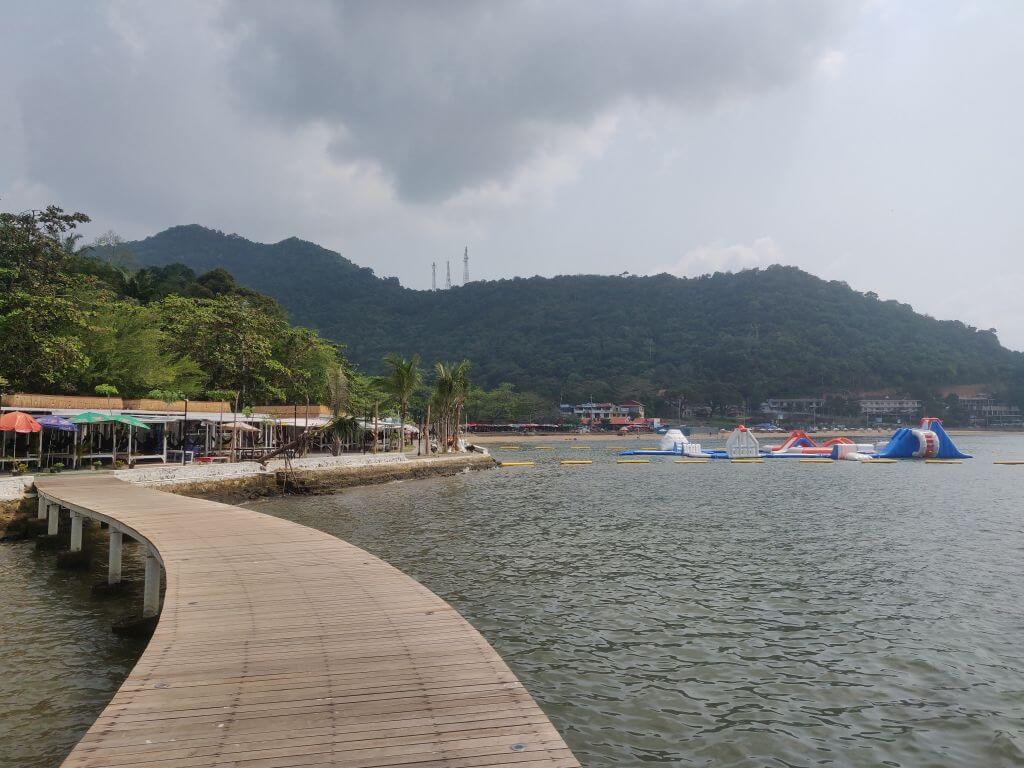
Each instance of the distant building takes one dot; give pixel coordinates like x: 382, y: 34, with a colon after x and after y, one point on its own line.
x: 630, y: 409
x: 984, y: 410
x: 628, y: 414
x: 876, y: 407
x: 787, y: 407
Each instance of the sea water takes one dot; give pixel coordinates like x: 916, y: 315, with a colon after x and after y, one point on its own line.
x: 776, y: 614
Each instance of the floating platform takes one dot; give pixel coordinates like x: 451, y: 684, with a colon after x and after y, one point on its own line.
x: 632, y: 461
x: 516, y: 463
x: 576, y: 461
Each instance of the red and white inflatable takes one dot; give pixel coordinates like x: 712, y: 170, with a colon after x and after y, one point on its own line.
x: 801, y: 444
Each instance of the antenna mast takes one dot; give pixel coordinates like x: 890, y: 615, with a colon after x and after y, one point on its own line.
x: 448, y: 275
x: 433, y: 275
x: 465, y: 266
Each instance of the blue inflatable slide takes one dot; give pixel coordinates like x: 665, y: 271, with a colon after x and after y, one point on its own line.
x: 929, y: 441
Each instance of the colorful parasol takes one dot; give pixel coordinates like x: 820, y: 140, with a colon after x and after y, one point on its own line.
x: 16, y: 421
x: 90, y: 417
x: 124, y: 418
x: 56, y: 422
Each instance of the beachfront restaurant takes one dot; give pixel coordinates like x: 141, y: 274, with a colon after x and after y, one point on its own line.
x: 78, y: 432
x: 75, y: 432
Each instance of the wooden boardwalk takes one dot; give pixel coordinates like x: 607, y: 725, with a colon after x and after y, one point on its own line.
x: 280, y: 646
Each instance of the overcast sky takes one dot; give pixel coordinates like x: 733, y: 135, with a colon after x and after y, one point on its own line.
x: 878, y: 143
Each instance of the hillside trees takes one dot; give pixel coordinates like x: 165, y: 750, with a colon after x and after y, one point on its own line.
x: 239, y: 346
x: 126, y: 348
x: 749, y: 335
x: 72, y: 320
x: 45, y: 310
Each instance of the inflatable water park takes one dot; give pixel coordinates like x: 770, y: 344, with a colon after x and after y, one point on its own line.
x: 926, y: 441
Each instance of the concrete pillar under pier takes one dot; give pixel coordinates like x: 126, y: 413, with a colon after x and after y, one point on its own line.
x: 114, y: 567
x: 53, y: 519
x: 43, y: 508
x: 76, y: 532
x: 151, y: 590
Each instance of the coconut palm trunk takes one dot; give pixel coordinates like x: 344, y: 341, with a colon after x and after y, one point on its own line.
x: 402, y: 383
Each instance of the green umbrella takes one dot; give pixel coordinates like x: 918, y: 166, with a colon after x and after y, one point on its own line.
x: 124, y: 418
x: 90, y: 417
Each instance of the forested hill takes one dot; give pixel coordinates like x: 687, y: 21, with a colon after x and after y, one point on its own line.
x: 723, y: 337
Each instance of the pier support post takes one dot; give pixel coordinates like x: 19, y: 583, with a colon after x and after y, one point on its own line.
x: 53, y: 519
x: 76, y: 532
x: 151, y: 590
x: 43, y: 508
x: 114, y: 567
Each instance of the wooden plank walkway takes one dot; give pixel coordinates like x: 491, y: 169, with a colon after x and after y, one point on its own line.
x: 279, y: 645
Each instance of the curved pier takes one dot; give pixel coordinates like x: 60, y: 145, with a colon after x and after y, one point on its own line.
x: 279, y: 646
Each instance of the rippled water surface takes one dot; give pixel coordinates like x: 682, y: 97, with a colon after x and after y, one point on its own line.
x: 59, y: 661
x: 780, y: 614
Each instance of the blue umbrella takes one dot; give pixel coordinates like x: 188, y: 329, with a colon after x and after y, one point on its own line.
x: 56, y: 422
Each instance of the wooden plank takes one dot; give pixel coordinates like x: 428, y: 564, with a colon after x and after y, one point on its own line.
x: 280, y: 646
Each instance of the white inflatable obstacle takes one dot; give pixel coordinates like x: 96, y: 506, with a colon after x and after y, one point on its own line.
x: 742, y: 444
x: 675, y: 442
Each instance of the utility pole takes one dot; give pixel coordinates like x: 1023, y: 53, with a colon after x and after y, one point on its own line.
x: 433, y: 275
x: 448, y: 275
x: 465, y: 266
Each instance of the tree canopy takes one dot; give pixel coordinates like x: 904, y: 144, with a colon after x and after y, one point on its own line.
x: 75, y: 321
x: 717, y: 339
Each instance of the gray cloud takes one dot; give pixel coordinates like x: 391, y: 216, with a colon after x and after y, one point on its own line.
x: 450, y: 95
x: 875, y: 142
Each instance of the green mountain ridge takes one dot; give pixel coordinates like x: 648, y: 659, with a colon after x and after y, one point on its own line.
x: 715, y: 338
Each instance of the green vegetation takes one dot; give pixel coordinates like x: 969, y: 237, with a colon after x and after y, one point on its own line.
x: 79, y: 319
x: 721, y: 339
x: 127, y: 318
x: 451, y: 386
x: 75, y: 322
x: 404, y: 380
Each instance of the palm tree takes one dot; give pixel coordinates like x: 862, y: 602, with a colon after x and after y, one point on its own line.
x: 337, y: 386
x: 69, y: 244
x: 450, y: 389
x: 344, y: 429
x: 403, y: 382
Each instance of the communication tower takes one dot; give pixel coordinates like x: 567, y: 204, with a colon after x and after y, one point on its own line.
x: 465, y: 266
x: 448, y: 275
x: 433, y: 275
